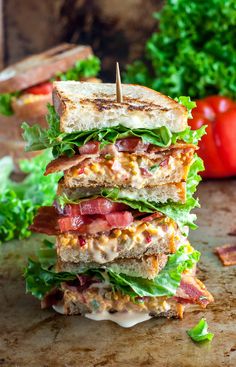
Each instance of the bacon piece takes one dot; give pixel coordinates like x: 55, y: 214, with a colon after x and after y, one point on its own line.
x: 164, y: 162
x: 145, y: 172
x: 192, y: 290
x: 227, y: 254
x: 94, y: 206
x: 46, y: 221
x: 149, y: 218
x: 131, y: 145
x: 119, y: 219
x: 92, y: 147
x: 63, y: 163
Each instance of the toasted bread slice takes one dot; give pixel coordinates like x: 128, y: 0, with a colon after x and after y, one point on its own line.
x: 41, y: 67
x: 87, y: 106
x: 145, y: 267
x: 176, y: 192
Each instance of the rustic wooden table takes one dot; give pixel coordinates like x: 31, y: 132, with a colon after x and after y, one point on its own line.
x: 36, y: 338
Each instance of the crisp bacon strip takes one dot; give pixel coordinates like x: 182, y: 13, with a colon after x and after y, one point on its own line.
x: 46, y: 221
x: 227, y: 254
x: 63, y: 163
x: 192, y: 290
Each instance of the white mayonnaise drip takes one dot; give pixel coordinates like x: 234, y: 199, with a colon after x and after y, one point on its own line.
x: 124, y: 319
x: 59, y: 308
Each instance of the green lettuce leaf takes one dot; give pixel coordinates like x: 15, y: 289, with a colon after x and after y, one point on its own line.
x: 6, y: 104
x: 19, y: 201
x: 86, y: 68
x: 38, y: 138
x: 40, y: 277
x: 199, y: 333
x: 40, y: 281
x: 187, y: 103
x: 165, y: 283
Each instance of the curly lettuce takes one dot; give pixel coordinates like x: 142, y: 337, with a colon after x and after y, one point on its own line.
x: 19, y: 201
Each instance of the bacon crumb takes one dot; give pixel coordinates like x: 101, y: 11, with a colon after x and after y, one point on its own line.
x: 227, y: 254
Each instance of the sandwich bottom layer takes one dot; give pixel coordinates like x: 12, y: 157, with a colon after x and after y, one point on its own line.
x: 102, y: 303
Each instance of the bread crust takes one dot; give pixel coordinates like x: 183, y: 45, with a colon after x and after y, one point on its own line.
x: 145, y: 267
x: 41, y: 67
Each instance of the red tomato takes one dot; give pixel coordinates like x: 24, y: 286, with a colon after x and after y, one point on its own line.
x: 225, y: 138
x: 43, y: 88
x: 217, y: 148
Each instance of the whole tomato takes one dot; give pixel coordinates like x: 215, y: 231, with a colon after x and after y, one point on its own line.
x: 218, y: 147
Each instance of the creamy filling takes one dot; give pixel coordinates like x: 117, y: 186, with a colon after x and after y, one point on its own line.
x: 133, y: 170
x: 139, y: 237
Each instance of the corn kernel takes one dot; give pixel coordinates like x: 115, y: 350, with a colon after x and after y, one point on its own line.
x: 152, y: 231
x: 138, y: 239
x: 132, y: 164
x: 95, y: 167
x: 104, y: 240
x: 117, y: 232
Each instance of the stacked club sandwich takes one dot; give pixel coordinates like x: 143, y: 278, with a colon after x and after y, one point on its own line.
x: 122, y: 211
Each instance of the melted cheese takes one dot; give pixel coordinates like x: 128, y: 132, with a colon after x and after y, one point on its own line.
x: 124, y: 319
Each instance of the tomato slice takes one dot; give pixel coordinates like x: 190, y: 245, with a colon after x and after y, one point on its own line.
x: 43, y: 88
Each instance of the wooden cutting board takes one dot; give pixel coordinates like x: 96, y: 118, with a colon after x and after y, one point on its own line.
x: 38, y: 338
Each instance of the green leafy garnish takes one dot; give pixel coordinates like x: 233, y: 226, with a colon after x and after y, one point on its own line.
x: 19, y: 201
x: 199, y: 333
x: 154, y: 167
x: 86, y: 68
x: 187, y: 103
x: 6, y: 104
x: 38, y: 138
x: 41, y: 278
x: 192, y: 52
x: 40, y: 281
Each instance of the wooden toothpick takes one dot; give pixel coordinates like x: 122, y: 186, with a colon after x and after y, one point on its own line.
x: 119, y: 96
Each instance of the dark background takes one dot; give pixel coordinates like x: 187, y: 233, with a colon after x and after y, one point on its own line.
x: 116, y: 29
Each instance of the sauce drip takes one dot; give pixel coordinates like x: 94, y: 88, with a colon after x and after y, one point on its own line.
x: 124, y: 319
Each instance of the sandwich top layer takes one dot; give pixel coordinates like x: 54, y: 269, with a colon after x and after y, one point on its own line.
x: 87, y: 106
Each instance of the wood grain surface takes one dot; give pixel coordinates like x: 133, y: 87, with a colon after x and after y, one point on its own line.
x: 36, y: 338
